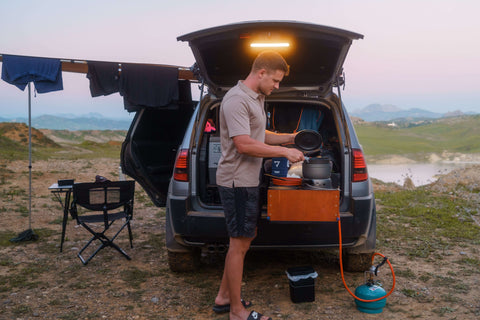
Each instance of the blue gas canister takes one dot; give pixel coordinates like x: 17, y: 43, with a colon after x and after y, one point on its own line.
x: 370, y: 291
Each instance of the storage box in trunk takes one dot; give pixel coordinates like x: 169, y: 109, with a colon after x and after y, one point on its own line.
x: 303, y: 205
x: 214, y: 154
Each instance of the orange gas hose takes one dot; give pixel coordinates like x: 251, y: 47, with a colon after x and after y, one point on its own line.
x: 373, y: 258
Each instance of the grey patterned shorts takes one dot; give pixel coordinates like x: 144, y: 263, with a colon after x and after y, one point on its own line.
x: 241, y: 208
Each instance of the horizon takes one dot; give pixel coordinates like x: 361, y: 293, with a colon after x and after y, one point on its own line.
x: 428, y: 63
x: 396, y: 114
x: 129, y: 116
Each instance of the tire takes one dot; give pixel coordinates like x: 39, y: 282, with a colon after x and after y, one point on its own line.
x: 357, y: 262
x: 184, y: 261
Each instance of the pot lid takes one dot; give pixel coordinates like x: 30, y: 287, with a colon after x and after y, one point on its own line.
x: 317, y: 161
x: 308, y: 140
x: 315, y: 53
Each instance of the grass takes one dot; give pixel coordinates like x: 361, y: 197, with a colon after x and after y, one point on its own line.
x: 76, y: 142
x: 13, y: 192
x: 443, y: 310
x: 429, y: 228
x: 135, y: 277
x: 407, y: 274
x: 454, y: 135
x: 155, y: 241
x: 472, y: 262
x: 5, y: 236
x: 25, y: 276
x: 21, y: 310
x: 88, y: 150
x: 426, y: 222
x: 418, y: 225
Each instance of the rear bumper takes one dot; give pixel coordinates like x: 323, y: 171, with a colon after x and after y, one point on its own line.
x: 195, y: 228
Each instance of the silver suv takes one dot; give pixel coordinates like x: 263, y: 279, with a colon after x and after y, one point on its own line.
x: 173, y: 152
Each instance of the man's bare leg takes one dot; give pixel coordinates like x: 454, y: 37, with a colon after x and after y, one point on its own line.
x: 233, y: 271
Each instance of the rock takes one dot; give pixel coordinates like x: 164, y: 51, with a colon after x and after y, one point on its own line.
x: 434, y: 158
x: 408, y: 184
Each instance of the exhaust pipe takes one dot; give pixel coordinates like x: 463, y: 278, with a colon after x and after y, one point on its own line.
x: 216, y: 248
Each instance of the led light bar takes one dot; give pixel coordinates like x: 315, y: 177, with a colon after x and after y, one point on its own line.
x: 270, y: 45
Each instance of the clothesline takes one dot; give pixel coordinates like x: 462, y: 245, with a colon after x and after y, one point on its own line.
x: 140, y: 84
x: 81, y: 66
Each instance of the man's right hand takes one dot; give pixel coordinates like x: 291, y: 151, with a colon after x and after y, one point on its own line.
x: 294, y: 155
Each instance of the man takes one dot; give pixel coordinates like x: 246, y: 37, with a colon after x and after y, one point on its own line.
x: 244, y: 143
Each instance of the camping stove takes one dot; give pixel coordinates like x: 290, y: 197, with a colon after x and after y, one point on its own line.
x: 314, y: 184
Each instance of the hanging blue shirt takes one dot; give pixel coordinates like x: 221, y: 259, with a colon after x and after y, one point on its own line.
x: 311, y: 119
x: 45, y: 73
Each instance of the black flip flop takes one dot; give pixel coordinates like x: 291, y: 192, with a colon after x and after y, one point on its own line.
x: 224, y: 308
x: 254, y: 315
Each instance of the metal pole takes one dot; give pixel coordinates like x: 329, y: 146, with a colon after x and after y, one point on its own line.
x: 29, y: 156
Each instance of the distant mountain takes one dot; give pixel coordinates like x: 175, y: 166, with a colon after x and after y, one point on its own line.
x: 90, y: 122
x: 387, y: 112
x: 381, y: 108
x: 73, y: 116
x: 96, y: 121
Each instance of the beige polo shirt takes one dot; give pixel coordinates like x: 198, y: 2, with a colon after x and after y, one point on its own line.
x: 241, y: 112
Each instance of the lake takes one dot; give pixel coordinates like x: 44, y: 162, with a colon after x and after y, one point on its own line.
x: 420, y: 173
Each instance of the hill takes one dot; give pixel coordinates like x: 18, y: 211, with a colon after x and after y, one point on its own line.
x: 54, y: 144
x: 17, y: 133
x: 388, y: 112
x: 443, y: 138
x: 80, y: 136
x: 455, y: 135
x: 88, y: 122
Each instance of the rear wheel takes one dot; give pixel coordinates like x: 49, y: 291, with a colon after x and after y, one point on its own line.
x: 184, y: 261
x: 357, y: 262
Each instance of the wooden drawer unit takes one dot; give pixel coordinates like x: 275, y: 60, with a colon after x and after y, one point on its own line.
x: 303, y: 205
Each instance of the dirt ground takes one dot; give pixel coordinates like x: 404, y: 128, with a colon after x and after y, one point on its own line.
x: 39, y: 282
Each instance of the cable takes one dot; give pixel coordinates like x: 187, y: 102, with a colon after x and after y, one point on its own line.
x: 373, y: 258
x: 299, y: 120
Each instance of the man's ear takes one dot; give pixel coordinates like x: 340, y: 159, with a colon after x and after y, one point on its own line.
x: 262, y: 72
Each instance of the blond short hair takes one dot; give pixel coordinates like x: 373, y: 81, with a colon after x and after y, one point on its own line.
x: 270, y: 61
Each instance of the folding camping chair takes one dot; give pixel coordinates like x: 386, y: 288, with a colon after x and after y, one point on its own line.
x: 106, y: 197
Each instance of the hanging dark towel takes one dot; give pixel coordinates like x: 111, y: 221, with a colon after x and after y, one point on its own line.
x: 103, y: 78
x: 134, y: 107
x: 146, y: 85
x: 45, y: 73
x: 184, y: 102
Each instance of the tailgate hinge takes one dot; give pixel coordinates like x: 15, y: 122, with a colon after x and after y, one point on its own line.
x: 339, y: 81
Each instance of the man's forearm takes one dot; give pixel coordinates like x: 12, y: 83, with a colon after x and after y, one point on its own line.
x: 254, y: 148
x: 273, y: 138
x: 248, y: 146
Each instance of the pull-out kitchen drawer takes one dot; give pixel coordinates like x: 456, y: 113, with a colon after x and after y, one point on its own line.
x: 303, y: 205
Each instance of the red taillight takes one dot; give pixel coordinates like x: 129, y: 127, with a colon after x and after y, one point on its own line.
x: 359, y: 166
x: 180, y: 172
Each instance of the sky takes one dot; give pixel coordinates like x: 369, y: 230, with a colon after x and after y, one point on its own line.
x: 415, y: 53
